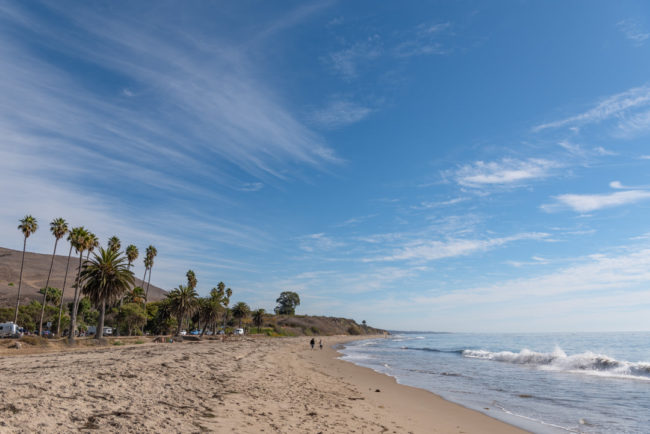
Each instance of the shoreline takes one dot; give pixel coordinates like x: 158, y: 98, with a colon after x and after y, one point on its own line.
x: 251, y: 384
x: 411, y: 409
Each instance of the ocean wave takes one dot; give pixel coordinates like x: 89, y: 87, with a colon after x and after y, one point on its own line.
x: 432, y: 350
x: 587, y: 362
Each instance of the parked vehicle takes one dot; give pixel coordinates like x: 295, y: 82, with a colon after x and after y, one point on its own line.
x: 195, y: 332
x: 183, y: 332
x: 239, y: 331
x: 92, y: 330
x: 10, y: 330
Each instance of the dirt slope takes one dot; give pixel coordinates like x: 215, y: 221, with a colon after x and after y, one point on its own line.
x: 35, y: 275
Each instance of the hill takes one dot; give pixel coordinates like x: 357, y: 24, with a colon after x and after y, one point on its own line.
x: 35, y: 272
x: 305, y: 325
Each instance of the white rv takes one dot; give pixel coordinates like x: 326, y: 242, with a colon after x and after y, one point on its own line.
x: 10, y: 330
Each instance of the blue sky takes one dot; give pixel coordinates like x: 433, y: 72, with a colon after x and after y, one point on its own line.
x: 456, y: 166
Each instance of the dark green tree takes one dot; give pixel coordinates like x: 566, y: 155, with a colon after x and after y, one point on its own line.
x: 105, y: 278
x: 258, y: 318
x: 240, y: 311
x: 183, y: 302
x: 287, y: 303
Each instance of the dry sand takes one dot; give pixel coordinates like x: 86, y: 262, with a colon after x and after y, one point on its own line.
x: 245, y: 385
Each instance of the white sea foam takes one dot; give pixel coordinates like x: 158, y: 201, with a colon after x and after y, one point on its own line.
x: 587, y: 362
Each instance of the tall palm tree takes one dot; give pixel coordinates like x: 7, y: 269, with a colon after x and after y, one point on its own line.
x: 241, y: 311
x: 65, y: 278
x: 226, y: 302
x: 93, y: 242
x: 27, y: 226
x: 258, y: 318
x: 114, y: 243
x: 191, y: 279
x: 81, y: 240
x: 151, y: 253
x: 131, y: 255
x: 182, y: 303
x: 105, y: 278
x: 59, y: 228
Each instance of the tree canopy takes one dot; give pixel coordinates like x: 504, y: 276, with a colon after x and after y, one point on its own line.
x: 287, y: 302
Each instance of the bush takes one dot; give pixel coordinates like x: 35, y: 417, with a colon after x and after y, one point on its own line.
x: 354, y: 330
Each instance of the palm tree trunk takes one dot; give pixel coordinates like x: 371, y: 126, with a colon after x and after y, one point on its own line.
x: 122, y: 297
x: 47, y: 285
x: 100, y: 326
x: 146, y: 294
x: 180, y: 325
x: 75, y: 303
x: 65, y: 277
x: 20, y: 282
x: 144, y: 302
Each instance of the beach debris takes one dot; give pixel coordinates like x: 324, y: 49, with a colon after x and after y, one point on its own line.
x: 355, y: 398
x: 16, y: 345
x: 377, y: 390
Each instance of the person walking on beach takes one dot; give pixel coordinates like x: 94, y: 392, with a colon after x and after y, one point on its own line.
x: 320, y: 343
x: 312, y: 342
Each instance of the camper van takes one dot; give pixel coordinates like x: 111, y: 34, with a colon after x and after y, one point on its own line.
x: 10, y: 330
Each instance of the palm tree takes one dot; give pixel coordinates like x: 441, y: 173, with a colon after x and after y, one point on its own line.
x: 27, y: 226
x: 191, y: 279
x: 93, y: 242
x: 182, y: 303
x: 136, y: 295
x: 105, y: 278
x: 151, y: 253
x: 131, y: 255
x: 114, y: 243
x: 240, y: 311
x: 65, y: 278
x: 258, y: 318
x: 226, y: 302
x: 59, y: 228
x: 81, y: 240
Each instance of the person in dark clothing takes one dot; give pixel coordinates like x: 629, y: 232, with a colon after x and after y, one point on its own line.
x: 312, y: 342
x: 320, y: 343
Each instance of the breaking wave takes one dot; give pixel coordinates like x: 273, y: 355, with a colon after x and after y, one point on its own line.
x: 588, y: 362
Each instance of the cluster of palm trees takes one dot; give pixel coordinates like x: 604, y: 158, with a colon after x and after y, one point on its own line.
x: 104, y: 279
x: 107, y: 280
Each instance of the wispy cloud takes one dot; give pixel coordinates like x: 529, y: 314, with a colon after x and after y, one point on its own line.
x: 585, y: 203
x: 347, y: 61
x: 318, y: 243
x: 339, y: 113
x: 443, y: 203
x: 251, y: 186
x: 507, y: 172
x: 613, y: 106
x: 433, y: 250
x: 633, y: 31
x: 425, y: 40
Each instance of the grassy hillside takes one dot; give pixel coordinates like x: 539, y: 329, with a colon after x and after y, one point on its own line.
x: 304, y: 325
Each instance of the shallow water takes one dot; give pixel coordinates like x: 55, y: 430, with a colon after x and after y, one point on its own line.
x: 546, y: 383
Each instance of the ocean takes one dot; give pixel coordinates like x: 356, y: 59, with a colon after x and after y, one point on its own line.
x: 545, y: 383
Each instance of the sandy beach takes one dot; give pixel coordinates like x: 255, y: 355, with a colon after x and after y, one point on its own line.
x: 245, y: 385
